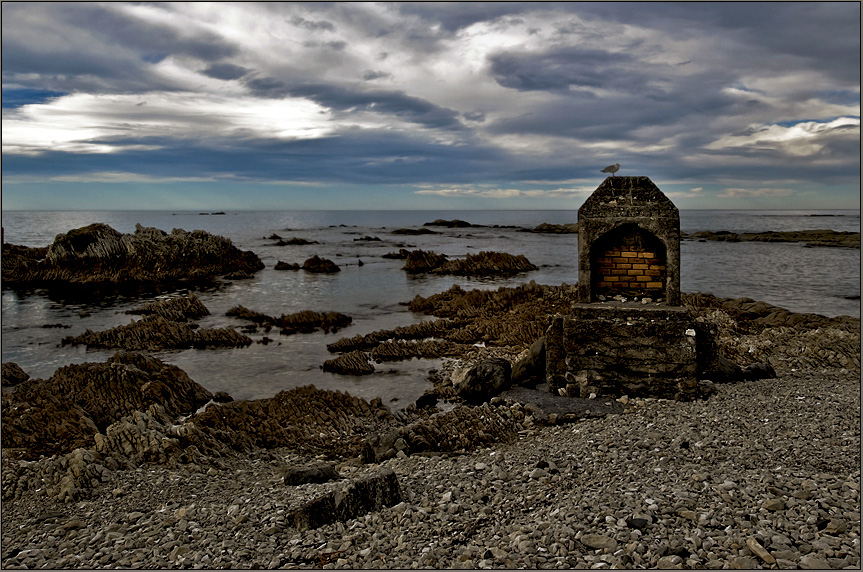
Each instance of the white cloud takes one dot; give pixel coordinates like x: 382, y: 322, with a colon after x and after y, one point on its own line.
x: 735, y: 193
x: 499, y: 193
x: 804, y: 138
x: 85, y: 123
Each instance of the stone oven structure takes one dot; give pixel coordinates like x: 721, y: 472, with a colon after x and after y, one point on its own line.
x: 629, y: 242
x: 627, y: 335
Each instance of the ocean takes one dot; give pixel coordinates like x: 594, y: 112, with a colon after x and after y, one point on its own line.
x: 820, y: 280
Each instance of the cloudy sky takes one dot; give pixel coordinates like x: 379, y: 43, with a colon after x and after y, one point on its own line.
x: 426, y: 106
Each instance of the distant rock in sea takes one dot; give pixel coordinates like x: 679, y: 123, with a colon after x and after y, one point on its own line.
x: 99, y: 254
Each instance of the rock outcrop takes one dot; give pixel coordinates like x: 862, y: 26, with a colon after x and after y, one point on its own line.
x: 166, y: 325
x: 99, y: 254
x: 547, y: 228
x: 62, y: 413
x: 351, y: 363
x: 821, y: 237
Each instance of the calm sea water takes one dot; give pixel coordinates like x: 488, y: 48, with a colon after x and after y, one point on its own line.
x: 820, y: 280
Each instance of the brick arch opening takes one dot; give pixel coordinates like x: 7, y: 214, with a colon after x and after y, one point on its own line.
x: 628, y: 261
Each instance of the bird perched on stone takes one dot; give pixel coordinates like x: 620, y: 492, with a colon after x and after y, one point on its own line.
x: 611, y: 169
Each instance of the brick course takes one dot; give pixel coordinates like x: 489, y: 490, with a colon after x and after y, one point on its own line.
x: 629, y: 270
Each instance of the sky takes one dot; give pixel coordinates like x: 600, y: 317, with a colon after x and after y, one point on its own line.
x: 172, y: 106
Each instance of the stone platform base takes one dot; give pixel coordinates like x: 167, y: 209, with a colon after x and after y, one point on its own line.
x: 617, y: 350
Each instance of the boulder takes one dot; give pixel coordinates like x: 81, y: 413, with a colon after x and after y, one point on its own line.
x: 99, y: 254
x: 481, y: 382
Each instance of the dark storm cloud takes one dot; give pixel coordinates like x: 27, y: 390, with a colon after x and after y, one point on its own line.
x: 225, y: 71
x: 558, y: 69
x: 370, y: 75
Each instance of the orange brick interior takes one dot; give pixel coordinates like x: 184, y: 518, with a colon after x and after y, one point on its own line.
x: 630, y: 265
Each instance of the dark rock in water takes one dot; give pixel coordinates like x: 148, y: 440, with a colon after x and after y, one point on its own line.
x: 320, y: 265
x: 299, y: 322
x: 285, y: 266
x: 222, y: 397
x: 413, y: 231
x: 62, y: 413
x: 156, y: 333
x: 570, y: 228
x: 179, y: 309
x: 296, y: 241
x: 351, y: 363
x: 486, y: 264
x: 274, y: 236
x: 455, y: 223
x: 421, y: 261
x: 484, y: 380
x: 99, y: 254
x: 400, y: 255
x: 322, y: 473
x: 13, y: 374
x: 368, y: 238
x: 482, y: 264
x: 818, y: 237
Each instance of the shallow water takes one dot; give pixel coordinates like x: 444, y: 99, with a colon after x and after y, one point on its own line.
x: 374, y: 294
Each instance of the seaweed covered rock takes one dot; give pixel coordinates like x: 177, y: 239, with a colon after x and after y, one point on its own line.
x: 99, y: 254
x: 62, y: 413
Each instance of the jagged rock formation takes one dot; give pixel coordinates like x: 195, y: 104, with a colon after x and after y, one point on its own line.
x: 301, y: 322
x: 418, y: 261
x: 164, y: 326
x: 810, y: 237
x: 351, y: 363
x: 482, y: 264
x: 569, y: 228
x: 99, y: 254
x: 57, y: 415
x: 178, y: 309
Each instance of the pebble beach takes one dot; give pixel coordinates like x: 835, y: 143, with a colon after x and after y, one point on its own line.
x: 764, y: 474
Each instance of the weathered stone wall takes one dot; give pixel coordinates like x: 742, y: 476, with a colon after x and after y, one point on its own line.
x: 634, y: 203
x: 618, y: 350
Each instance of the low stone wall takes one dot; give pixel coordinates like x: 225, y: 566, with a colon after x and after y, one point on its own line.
x: 624, y: 350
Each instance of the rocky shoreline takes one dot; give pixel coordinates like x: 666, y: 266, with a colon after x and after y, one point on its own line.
x: 131, y: 463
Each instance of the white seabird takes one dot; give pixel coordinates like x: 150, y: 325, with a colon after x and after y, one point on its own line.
x: 611, y: 169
